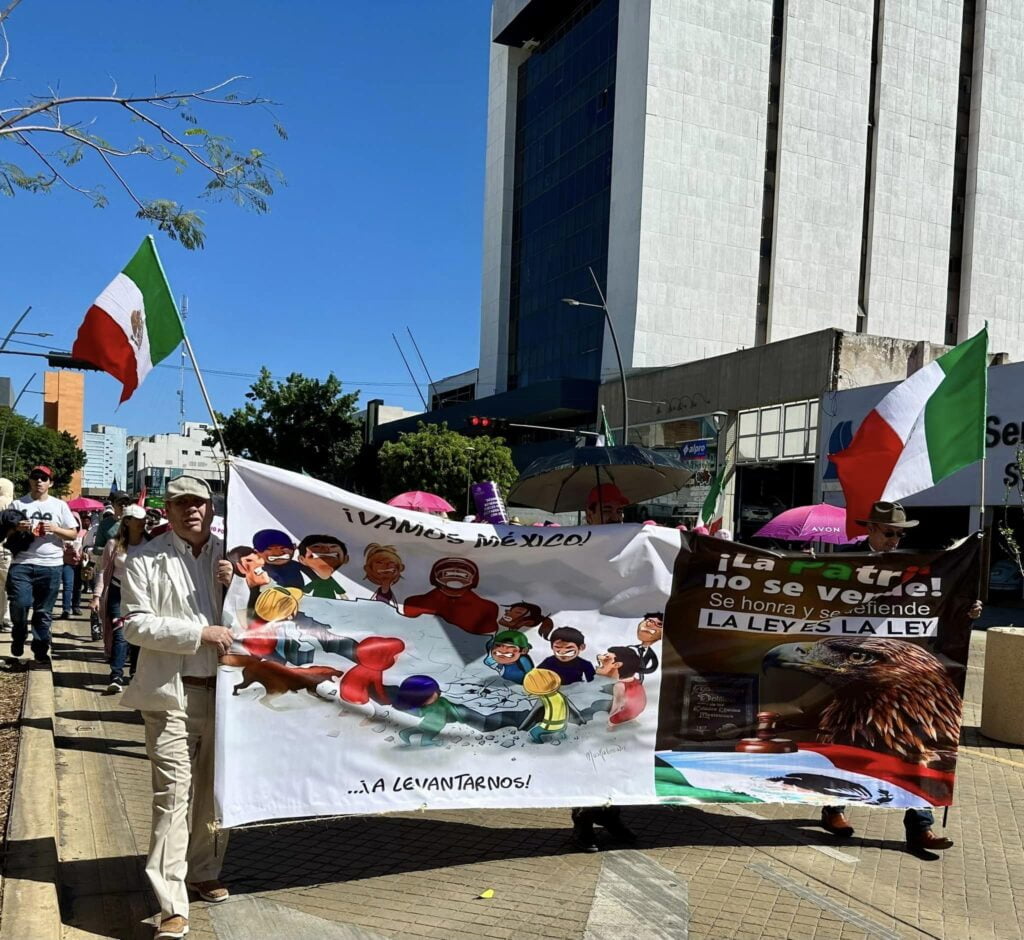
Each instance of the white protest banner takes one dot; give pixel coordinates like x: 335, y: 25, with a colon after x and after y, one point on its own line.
x: 390, y: 660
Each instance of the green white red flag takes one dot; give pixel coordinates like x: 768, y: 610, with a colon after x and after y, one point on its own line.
x: 924, y: 430
x: 709, y: 516
x: 133, y: 324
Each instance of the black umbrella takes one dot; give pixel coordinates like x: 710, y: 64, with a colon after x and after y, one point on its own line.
x: 562, y: 482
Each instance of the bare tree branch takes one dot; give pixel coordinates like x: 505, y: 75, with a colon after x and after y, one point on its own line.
x: 243, y: 175
x: 10, y: 9
x: 7, y: 49
x: 57, y: 175
x: 202, y: 95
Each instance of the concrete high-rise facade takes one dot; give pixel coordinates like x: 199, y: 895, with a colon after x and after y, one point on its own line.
x: 106, y: 457
x: 747, y: 171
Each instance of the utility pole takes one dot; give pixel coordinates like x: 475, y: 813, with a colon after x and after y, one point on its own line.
x: 181, y: 376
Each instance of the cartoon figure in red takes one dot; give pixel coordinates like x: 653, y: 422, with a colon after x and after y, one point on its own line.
x: 365, y: 680
x: 453, y: 598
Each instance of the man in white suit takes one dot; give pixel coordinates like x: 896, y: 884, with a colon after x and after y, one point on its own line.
x: 172, y: 598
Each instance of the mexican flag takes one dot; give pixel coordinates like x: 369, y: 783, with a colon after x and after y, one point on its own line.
x: 133, y: 324
x: 709, y: 511
x: 925, y: 429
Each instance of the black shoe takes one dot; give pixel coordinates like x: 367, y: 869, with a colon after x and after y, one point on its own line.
x: 17, y: 648
x: 41, y: 662
x: 836, y: 824
x: 619, y: 831
x: 583, y: 832
x: 116, y: 685
x: 76, y: 613
x: 65, y: 615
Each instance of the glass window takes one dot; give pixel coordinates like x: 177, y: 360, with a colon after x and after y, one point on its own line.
x: 561, y: 197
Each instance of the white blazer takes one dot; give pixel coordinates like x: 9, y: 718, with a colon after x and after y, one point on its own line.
x: 162, y: 618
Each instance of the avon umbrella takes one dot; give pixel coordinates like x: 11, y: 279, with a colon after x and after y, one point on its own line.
x: 421, y: 502
x: 562, y: 482
x: 818, y: 523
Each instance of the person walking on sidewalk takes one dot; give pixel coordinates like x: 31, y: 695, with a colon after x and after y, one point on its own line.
x: 34, y: 576
x: 6, y: 498
x: 605, y: 505
x: 887, y: 524
x: 71, y: 572
x: 106, y: 599
x: 172, y: 594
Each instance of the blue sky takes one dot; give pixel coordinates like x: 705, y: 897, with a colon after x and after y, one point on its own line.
x: 378, y: 227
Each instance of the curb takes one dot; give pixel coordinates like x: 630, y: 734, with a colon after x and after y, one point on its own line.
x: 31, y: 906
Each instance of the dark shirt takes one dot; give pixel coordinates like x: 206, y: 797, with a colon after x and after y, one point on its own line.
x: 575, y: 670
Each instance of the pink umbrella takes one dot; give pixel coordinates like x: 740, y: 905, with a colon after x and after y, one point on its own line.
x: 421, y: 502
x: 84, y: 504
x: 818, y: 523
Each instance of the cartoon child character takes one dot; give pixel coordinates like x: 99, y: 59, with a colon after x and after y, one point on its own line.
x: 248, y: 564
x: 274, y: 606
x: 320, y: 556
x: 383, y: 566
x: 649, y: 632
x: 453, y: 598
x: 277, y: 549
x: 548, y: 718
x: 365, y: 680
x: 567, y: 643
x: 422, y: 695
x: 506, y: 655
x: 522, y: 615
x: 628, y: 696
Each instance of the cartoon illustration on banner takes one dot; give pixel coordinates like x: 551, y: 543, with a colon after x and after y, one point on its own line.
x: 397, y: 660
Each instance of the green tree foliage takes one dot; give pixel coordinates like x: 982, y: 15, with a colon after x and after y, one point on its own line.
x: 56, y: 140
x: 26, y: 444
x: 437, y: 460
x: 301, y: 424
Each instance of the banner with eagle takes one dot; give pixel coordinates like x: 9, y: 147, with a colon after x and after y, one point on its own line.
x: 837, y: 678
x: 387, y: 659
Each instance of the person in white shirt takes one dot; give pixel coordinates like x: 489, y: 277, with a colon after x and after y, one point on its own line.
x: 172, y: 596
x: 35, y: 573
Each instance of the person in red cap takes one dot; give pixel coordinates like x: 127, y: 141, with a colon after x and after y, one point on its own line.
x: 605, y: 504
x: 35, y: 572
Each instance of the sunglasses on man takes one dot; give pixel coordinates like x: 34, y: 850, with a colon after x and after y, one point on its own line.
x: 38, y: 476
x: 893, y: 533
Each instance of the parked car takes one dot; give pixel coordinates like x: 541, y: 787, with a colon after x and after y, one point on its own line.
x: 1005, y: 577
x: 762, y: 511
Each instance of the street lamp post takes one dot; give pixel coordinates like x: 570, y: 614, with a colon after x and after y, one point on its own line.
x: 572, y: 302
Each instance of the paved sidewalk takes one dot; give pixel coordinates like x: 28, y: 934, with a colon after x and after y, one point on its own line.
x: 719, y: 872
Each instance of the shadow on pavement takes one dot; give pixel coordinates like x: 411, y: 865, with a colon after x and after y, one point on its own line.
x: 302, y: 854
x: 122, y: 715
x: 111, y: 746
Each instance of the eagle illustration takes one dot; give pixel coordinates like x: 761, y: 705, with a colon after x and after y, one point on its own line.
x: 138, y: 333
x: 890, y: 696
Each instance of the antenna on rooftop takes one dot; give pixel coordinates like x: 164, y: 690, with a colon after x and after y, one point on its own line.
x: 181, y: 371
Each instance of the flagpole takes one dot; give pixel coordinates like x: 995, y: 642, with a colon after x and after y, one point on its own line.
x: 206, y: 396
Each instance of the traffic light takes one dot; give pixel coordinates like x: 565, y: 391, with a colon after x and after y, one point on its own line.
x: 63, y: 360
x: 487, y: 424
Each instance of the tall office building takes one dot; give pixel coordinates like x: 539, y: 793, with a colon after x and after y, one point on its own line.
x: 63, y: 410
x: 746, y: 171
x: 106, y: 457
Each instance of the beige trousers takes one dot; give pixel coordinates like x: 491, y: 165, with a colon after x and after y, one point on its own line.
x: 182, y: 847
